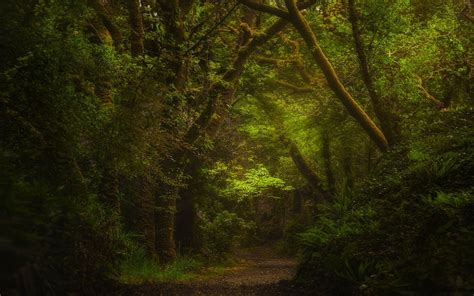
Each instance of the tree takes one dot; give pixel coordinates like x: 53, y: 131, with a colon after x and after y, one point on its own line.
x: 301, y: 25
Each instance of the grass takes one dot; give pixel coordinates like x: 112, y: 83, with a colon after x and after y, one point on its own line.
x: 137, y: 268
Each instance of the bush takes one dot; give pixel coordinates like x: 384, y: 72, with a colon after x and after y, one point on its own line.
x: 222, y: 233
x: 137, y: 267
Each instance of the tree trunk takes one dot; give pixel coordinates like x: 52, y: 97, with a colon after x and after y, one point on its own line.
x: 137, y: 34
x: 145, y: 219
x: 186, y: 215
x: 108, y: 21
x: 175, y: 12
x: 387, y: 120
x: 297, y: 202
x: 309, y: 174
x: 333, y: 80
x: 165, y: 223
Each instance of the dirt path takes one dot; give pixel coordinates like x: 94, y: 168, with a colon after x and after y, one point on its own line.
x: 261, y: 272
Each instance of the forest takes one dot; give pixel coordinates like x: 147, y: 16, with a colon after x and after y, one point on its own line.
x: 236, y: 147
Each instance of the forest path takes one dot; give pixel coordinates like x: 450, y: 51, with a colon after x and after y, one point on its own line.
x: 261, y: 271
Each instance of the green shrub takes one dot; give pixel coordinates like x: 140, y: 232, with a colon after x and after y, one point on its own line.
x: 138, y: 268
x: 221, y: 234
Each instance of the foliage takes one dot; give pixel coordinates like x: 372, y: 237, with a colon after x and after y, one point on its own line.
x: 130, y: 135
x: 222, y: 234
x: 139, y: 268
x: 411, y: 236
x: 255, y: 182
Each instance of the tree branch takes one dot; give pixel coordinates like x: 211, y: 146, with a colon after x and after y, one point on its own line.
x: 266, y: 8
x: 440, y: 105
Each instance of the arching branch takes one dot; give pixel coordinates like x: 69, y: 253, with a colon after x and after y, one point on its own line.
x: 266, y: 8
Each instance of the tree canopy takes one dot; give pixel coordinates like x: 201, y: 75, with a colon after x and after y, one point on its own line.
x: 158, y: 135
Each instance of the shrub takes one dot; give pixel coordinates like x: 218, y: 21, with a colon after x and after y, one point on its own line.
x: 222, y: 233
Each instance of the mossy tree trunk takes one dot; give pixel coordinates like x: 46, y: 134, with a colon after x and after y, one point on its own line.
x: 137, y: 33
x: 388, y: 121
x: 352, y: 107
x: 294, y: 16
x: 145, y: 218
x: 165, y: 224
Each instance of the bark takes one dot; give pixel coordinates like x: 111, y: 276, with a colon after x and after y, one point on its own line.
x: 186, y: 215
x: 137, y: 33
x: 439, y: 105
x: 297, y: 202
x: 175, y: 12
x: 306, y: 171
x: 108, y: 20
x: 145, y: 219
x: 331, y: 181
x: 165, y: 224
x: 353, y: 108
x: 386, y: 120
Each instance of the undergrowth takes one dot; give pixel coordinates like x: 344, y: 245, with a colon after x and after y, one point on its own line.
x: 408, y: 229
x: 137, y: 268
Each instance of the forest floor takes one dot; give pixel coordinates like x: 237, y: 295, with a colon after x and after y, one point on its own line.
x: 259, y: 271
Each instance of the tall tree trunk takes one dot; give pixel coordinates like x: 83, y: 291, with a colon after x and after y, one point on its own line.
x: 137, y: 34
x: 332, y: 78
x: 331, y: 181
x: 145, y: 220
x: 165, y: 224
x: 186, y: 215
x: 387, y: 120
x: 175, y: 13
x: 297, y: 202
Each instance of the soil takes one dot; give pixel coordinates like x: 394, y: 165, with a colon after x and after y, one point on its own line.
x: 261, y: 271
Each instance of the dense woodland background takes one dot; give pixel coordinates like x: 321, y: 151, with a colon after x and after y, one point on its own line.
x: 139, y: 136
